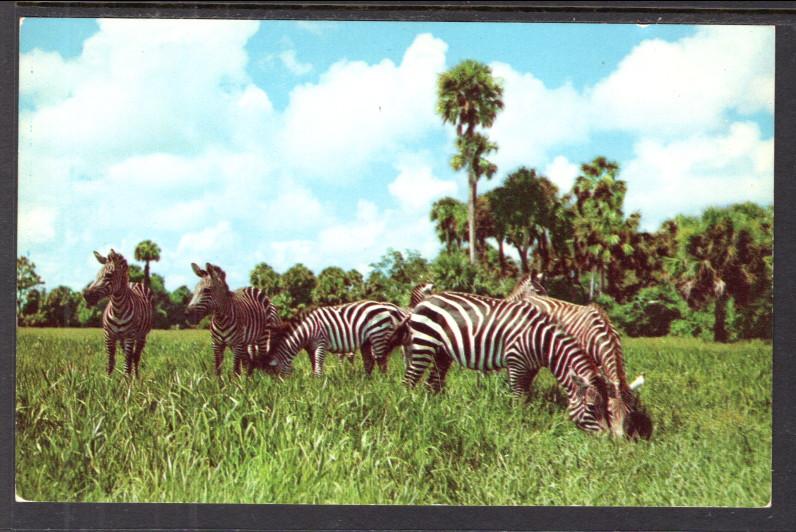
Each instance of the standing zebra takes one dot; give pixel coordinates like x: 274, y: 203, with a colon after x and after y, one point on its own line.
x: 592, y: 329
x: 363, y: 325
x: 241, y: 319
x: 127, y: 318
x: 486, y: 334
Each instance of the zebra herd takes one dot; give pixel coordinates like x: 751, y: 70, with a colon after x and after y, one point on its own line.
x: 522, y: 333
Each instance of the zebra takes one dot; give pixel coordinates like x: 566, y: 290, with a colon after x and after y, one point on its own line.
x: 419, y: 293
x: 363, y: 325
x: 127, y: 317
x: 592, y: 329
x: 530, y: 284
x: 483, y: 333
x: 241, y: 319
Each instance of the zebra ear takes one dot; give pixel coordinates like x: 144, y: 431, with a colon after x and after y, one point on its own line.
x: 216, y: 272
x: 100, y: 258
x: 197, y: 270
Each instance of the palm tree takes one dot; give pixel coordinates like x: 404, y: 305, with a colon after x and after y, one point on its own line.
x: 145, y: 252
x: 726, y: 253
x: 469, y: 97
x: 596, y: 202
x: 449, y: 215
x: 526, y: 207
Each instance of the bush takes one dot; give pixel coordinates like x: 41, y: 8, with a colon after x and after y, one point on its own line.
x: 650, y: 312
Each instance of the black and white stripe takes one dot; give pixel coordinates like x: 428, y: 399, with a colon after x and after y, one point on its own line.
x: 590, y: 326
x: 127, y: 318
x: 486, y: 334
x: 362, y: 325
x: 419, y: 293
x: 241, y: 319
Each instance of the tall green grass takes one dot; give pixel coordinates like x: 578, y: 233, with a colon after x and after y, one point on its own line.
x: 179, y: 434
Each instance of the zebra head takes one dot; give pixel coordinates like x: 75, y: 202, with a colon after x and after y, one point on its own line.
x: 588, y: 402
x: 111, y: 279
x: 211, y: 290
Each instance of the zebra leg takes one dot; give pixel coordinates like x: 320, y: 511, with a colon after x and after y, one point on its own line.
x: 110, y: 347
x: 218, y: 353
x: 378, y: 350
x: 367, y: 357
x: 520, y: 376
x: 139, y: 347
x: 317, y: 357
x: 129, y: 352
x: 253, y: 350
x: 419, y: 359
x: 436, y: 379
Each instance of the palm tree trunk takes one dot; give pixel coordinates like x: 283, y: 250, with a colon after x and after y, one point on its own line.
x: 471, y: 216
x: 720, y: 321
x: 146, y: 273
x: 591, y: 284
x: 501, y: 257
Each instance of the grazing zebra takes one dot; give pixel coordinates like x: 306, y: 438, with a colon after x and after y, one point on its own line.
x: 241, y: 319
x: 127, y: 318
x: 363, y: 325
x: 419, y: 293
x: 486, y: 334
x: 592, y: 329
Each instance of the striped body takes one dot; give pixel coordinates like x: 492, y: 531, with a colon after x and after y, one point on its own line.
x: 486, y: 334
x: 244, y: 326
x: 592, y: 329
x: 363, y: 325
x: 127, y: 318
x: 242, y: 320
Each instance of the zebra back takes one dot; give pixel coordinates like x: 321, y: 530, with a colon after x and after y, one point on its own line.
x: 484, y: 333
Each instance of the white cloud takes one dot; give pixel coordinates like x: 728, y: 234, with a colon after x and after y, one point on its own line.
x: 142, y: 85
x: 358, y: 113
x: 416, y: 187
x: 687, y: 175
x: 36, y: 225
x: 562, y: 173
x: 535, y: 119
x: 291, y: 62
x: 667, y: 88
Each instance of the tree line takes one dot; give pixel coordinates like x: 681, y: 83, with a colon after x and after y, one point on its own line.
x: 709, y: 275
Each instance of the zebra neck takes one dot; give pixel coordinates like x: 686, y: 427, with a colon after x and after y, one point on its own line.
x: 294, y: 341
x: 121, y: 300
x: 224, y: 308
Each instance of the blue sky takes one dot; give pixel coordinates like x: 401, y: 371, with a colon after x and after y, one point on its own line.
x: 237, y: 142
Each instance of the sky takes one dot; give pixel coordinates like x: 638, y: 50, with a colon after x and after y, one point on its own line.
x: 239, y: 142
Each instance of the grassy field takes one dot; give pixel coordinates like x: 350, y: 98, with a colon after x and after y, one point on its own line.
x: 181, y: 435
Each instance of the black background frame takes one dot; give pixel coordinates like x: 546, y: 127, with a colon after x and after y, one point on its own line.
x: 778, y: 516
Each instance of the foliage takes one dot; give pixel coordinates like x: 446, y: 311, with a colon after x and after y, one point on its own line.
x: 336, y: 286
x: 297, y: 284
x: 264, y: 277
x: 526, y: 210
x: 27, y: 279
x: 726, y: 253
x: 395, y: 274
x: 450, y: 222
x: 649, y: 313
x: 179, y: 434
